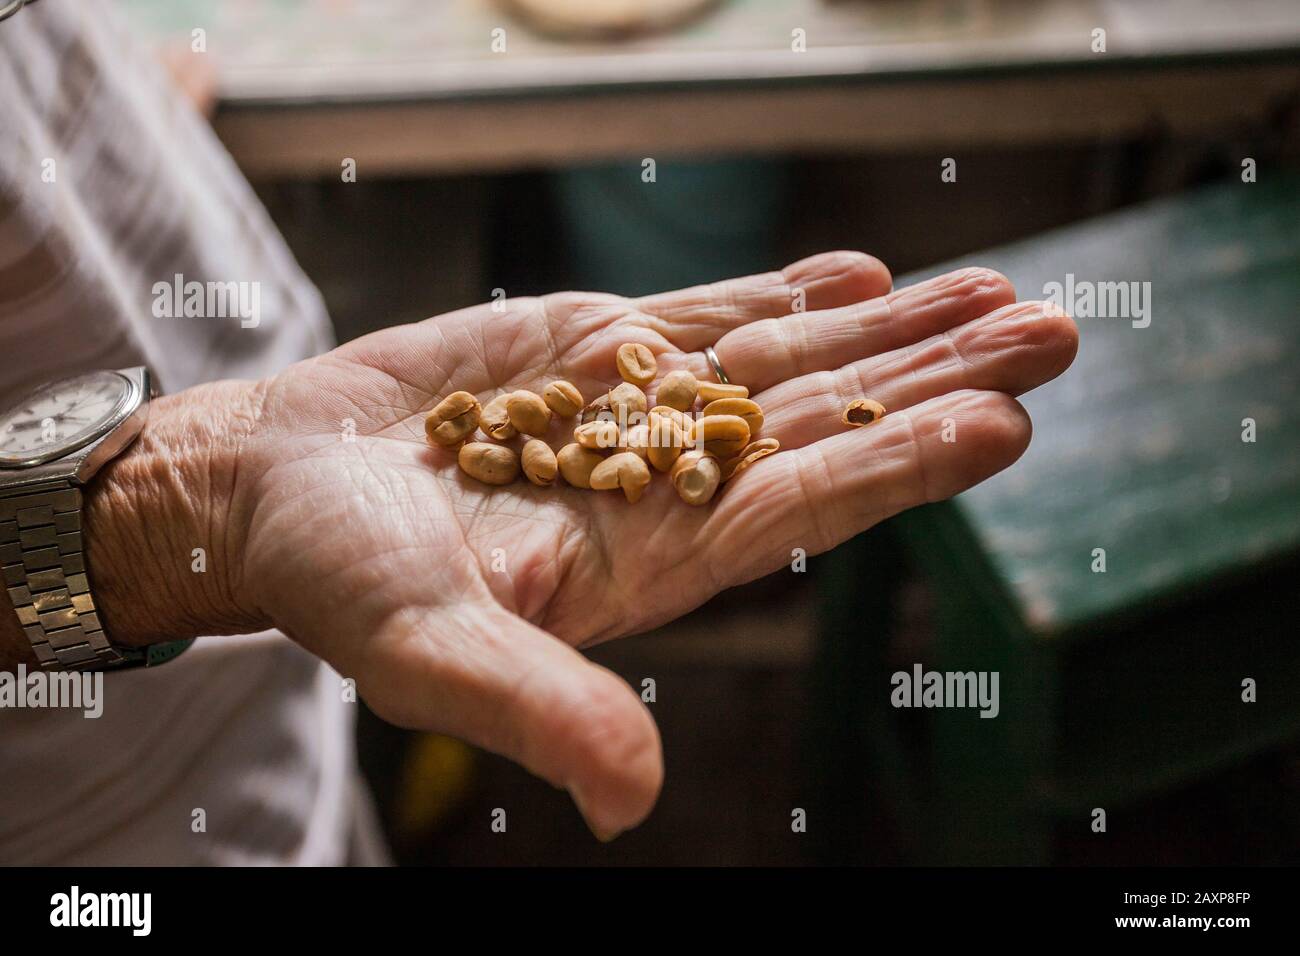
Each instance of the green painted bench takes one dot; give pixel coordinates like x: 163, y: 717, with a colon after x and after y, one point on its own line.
x: 1121, y: 685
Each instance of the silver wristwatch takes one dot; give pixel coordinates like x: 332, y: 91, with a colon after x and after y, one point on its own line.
x: 51, y: 444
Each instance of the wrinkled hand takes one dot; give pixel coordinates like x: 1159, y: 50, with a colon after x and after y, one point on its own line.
x: 458, y: 607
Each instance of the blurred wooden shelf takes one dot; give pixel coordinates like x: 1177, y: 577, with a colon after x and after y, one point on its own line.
x: 406, y: 87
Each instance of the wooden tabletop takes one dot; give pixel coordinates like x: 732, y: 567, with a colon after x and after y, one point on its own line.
x: 1138, y: 449
x: 313, y: 51
x: 410, y: 87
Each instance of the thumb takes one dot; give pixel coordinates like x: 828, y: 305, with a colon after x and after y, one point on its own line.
x: 478, y: 672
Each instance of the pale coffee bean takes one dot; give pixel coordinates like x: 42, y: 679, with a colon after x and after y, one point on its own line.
x: 712, y: 391
x: 490, y: 464
x: 495, y: 421
x: 528, y: 413
x: 864, y: 411
x: 597, y: 408
x: 636, y: 364
x: 539, y: 462
x: 748, y: 455
x: 626, y: 400
x: 746, y: 408
x: 682, y: 419
x: 721, y: 435
x: 625, y: 470
x: 452, y: 420
x: 666, y: 441
x: 600, y: 435
x: 696, y: 477
x: 678, y: 390
x: 563, y: 398
x: 577, y: 463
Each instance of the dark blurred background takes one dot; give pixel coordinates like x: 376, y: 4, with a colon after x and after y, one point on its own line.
x: 523, y: 170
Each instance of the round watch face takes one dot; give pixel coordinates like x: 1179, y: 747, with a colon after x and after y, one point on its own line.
x: 62, y: 417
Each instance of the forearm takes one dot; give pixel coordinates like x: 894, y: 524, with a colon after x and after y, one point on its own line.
x: 145, y: 517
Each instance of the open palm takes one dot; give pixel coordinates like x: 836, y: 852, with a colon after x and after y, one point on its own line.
x: 458, y: 607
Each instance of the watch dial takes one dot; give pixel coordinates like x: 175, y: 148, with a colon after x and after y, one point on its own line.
x: 62, y: 417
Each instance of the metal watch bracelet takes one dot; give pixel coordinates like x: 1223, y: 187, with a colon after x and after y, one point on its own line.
x: 45, y: 574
